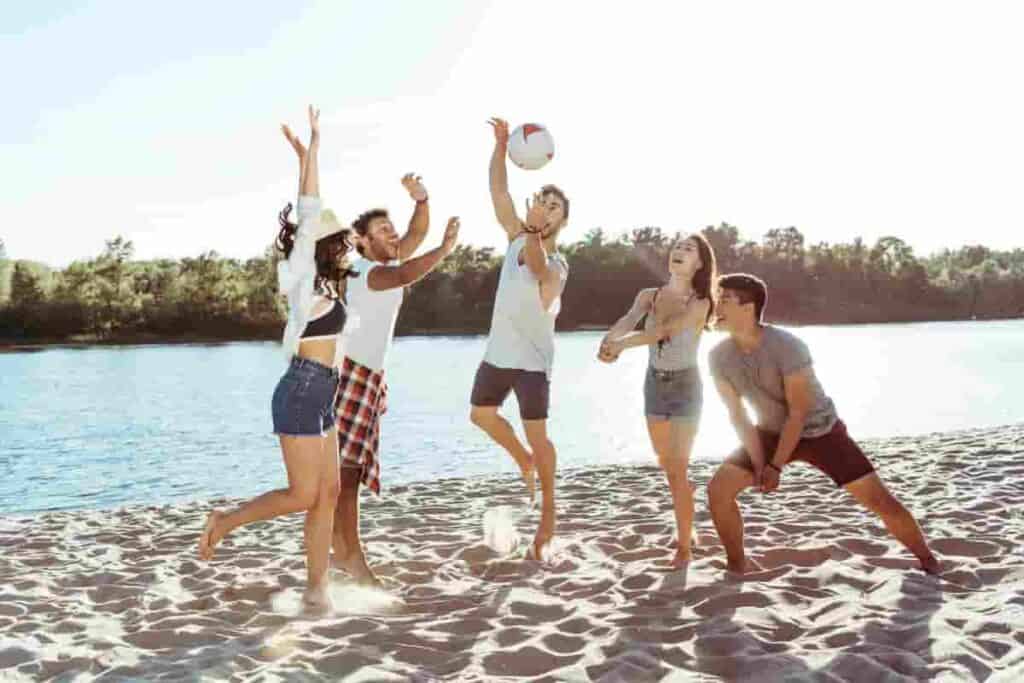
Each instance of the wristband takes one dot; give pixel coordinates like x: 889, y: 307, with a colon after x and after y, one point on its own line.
x: 423, y: 201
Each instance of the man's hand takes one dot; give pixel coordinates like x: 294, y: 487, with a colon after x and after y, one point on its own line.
x: 769, y: 478
x: 500, y: 127
x: 451, y: 235
x: 536, y: 214
x: 413, y: 184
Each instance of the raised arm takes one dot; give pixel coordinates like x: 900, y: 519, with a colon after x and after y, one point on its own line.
x: 408, y: 272
x: 419, y: 224
x: 549, y: 275
x: 504, y: 209
x: 309, y: 170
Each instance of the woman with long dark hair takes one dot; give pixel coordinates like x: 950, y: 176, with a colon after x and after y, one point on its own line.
x: 311, y: 275
x: 674, y: 315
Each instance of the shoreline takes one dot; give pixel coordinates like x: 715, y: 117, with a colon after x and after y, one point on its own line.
x: 8, y: 345
x: 122, y: 595
x: 869, y: 444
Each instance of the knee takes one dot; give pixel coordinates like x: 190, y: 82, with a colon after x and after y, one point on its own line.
x: 330, y: 492
x: 481, y: 417
x: 539, y: 443
x: 885, y: 505
x: 304, y: 498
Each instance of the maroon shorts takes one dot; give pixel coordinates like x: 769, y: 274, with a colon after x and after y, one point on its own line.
x: 835, y: 454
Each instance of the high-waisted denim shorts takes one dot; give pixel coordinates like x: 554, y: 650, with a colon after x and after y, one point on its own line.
x: 673, y: 394
x: 303, y: 402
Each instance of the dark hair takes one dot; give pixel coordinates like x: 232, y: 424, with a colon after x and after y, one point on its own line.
x: 749, y: 289
x: 361, y: 225
x: 557, y: 191
x: 329, y: 274
x: 704, y: 279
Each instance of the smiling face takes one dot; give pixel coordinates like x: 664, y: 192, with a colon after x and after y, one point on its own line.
x: 684, y: 259
x: 732, y: 313
x: 380, y: 243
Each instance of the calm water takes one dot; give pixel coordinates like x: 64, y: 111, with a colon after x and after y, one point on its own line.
x: 104, y: 427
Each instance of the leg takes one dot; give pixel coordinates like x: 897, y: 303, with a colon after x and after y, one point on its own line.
x: 348, y: 547
x: 870, y: 492
x: 302, y: 459
x: 672, y: 441
x: 545, y: 457
x: 320, y: 523
x: 723, y: 489
x: 499, y: 429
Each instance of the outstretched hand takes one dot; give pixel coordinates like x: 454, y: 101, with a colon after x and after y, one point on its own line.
x: 536, y: 214
x: 500, y: 127
x: 413, y: 184
x: 294, y: 141
x: 451, y: 234
x: 314, y: 123
x: 609, y: 351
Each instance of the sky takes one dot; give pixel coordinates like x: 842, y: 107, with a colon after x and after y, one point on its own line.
x: 160, y: 121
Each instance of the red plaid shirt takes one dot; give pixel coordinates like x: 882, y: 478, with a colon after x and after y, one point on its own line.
x: 362, y: 399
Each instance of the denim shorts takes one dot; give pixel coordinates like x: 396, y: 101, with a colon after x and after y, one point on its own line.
x: 673, y: 394
x: 303, y: 402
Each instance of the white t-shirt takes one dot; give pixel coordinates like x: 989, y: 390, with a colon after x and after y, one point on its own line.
x: 368, y: 342
x: 522, y: 332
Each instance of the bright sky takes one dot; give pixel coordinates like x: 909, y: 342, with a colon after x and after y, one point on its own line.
x: 159, y: 121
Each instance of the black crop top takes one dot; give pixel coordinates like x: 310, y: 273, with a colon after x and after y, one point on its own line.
x: 327, y: 324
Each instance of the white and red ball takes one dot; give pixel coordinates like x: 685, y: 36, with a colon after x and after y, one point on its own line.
x: 530, y: 146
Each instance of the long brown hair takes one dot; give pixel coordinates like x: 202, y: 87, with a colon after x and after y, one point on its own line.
x: 329, y: 275
x: 705, y: 279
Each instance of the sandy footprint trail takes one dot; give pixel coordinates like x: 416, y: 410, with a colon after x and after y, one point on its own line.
x: 121, y: 594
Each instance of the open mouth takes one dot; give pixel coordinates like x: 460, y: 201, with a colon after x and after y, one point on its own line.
x: 678, y: 261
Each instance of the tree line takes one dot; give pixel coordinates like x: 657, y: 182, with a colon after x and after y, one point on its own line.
x: 115, y: 298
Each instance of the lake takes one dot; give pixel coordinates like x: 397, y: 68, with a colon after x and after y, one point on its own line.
x: 104, y: 427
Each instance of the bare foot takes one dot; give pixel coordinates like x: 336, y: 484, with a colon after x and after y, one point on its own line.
x: 210, y: 537
x: 545, y: 532
x: 354, y: 564
x: 316, y: 598
x: 681, y: 559
x: 930, y: 565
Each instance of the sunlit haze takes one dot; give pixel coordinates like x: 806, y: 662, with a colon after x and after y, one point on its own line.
x: 160, y: 121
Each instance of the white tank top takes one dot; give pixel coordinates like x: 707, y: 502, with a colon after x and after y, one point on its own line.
x: 522, y: 332
x: 369, y: 341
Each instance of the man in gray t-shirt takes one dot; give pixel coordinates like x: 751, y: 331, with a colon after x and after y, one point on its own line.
x: 772, y: 370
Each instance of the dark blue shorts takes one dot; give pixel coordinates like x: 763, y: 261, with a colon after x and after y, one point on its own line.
x: 303, y: 402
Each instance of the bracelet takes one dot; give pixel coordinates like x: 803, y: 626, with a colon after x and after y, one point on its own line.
x: 423, y: 201
x: 773, y: 466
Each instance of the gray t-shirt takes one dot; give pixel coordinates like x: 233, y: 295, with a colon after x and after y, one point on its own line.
x: 757, y: 377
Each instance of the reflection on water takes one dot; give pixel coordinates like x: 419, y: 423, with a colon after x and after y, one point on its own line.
x: 102, y: 427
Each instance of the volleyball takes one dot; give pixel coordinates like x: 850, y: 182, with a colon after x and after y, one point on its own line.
x: 530, y: 146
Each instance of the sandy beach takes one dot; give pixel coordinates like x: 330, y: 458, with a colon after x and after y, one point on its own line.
x: 122, y: 595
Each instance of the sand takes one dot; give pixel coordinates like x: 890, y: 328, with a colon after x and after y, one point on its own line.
x: 121, y: 594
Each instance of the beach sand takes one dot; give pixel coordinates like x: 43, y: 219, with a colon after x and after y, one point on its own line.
x: 122, y: 594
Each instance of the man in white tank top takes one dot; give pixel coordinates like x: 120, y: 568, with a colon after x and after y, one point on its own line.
x: 521, y: 345
x: 373, y: 298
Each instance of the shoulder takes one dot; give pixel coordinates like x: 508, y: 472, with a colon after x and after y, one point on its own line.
x: 720, y: 352
x: 784, y: 339
x: 645, y: 297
